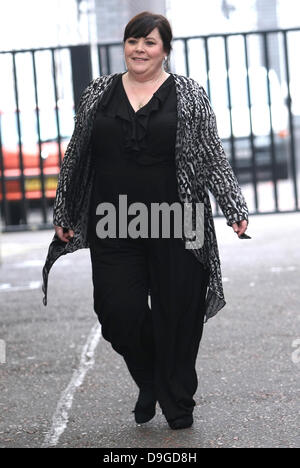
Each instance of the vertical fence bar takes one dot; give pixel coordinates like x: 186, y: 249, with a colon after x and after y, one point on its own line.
x: 100, y: 60
x: 81, y: 69
x: 3, y: 182
x: 249, y: 100
x: 186, y: 56
x: 104, y: 62
x: 207, y: 64
x: 22, y: 178
x: 291, y: 121
x: 107, y: 56
x: 56, y: 106
x: 38, y: 130
x: 232, y: 142
x: 273, y: 151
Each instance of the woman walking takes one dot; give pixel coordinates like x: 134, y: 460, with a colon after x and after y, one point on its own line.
x: 150, y: 136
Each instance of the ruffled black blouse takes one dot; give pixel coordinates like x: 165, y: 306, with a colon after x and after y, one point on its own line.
x: 146, y: 136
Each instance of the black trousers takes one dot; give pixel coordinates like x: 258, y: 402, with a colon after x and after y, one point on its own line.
x: 159, y: 343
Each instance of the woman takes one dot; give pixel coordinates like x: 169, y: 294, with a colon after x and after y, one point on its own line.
x: 152, y: 136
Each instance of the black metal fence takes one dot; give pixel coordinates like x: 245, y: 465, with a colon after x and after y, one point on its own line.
x: 251, y: 78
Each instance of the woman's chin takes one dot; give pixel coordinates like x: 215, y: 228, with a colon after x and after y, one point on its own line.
x: 139, y: 68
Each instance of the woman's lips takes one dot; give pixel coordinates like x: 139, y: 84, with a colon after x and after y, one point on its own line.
x: 139, y: 59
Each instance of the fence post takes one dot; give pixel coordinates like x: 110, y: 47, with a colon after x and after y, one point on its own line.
x: 81, y: 69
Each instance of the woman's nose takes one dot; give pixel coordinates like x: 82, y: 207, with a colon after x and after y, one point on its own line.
x: 139, y: 46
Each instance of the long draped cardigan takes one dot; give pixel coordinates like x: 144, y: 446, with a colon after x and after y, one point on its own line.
x: 201, y: 165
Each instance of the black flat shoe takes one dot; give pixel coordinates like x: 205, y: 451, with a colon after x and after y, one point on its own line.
x: 145, y: 406
x: 181, y: 423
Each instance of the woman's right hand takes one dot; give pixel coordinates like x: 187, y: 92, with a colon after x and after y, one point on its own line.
x: 64, y: 236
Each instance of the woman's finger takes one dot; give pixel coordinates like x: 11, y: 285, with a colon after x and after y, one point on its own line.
x: 64, y: 236
x: 235, y: 227
x: 240, y: 227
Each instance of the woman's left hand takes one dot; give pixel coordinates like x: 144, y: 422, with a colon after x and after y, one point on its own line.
x: 240, y: 227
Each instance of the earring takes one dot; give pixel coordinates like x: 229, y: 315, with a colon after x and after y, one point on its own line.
x: 165, y: 62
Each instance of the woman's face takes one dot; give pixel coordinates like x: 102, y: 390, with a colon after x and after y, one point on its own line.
x: 144, y: 55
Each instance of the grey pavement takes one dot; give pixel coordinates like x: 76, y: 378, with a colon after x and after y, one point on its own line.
x: 248, y: 364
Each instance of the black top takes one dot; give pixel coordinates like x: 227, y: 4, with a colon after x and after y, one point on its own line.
x: 134, y: 152
x: 147, y: 136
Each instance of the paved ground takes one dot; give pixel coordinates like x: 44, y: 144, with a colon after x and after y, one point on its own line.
x: 63, y: 386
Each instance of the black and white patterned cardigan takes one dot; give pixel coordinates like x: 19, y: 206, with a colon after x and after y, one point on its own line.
x: 201, y: 165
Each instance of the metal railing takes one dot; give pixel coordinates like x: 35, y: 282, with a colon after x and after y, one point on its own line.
x: 250, y: 78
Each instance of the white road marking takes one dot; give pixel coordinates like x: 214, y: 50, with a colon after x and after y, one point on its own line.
x: 61, y: 415
x: 276, y: 269
x: 280, y: 269
x: 7, y: 287
x: 12, y: 249
x: 29, y: 263
x: 36, y: 263
x: 2, y: 352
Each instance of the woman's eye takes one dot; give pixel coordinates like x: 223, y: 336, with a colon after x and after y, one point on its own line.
x: 133, y: 41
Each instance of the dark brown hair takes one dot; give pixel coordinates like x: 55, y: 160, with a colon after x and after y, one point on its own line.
x: 142, y: 24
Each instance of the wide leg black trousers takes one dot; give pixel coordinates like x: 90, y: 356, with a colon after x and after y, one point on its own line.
x: 158, y: 343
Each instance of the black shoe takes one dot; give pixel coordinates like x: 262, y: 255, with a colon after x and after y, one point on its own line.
x: 145, y: 406
x: 181, y: 423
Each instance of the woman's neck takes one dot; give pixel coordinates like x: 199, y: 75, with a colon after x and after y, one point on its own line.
x: 142, y: 80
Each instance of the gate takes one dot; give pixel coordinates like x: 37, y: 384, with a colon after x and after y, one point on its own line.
x: 252, y: 81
